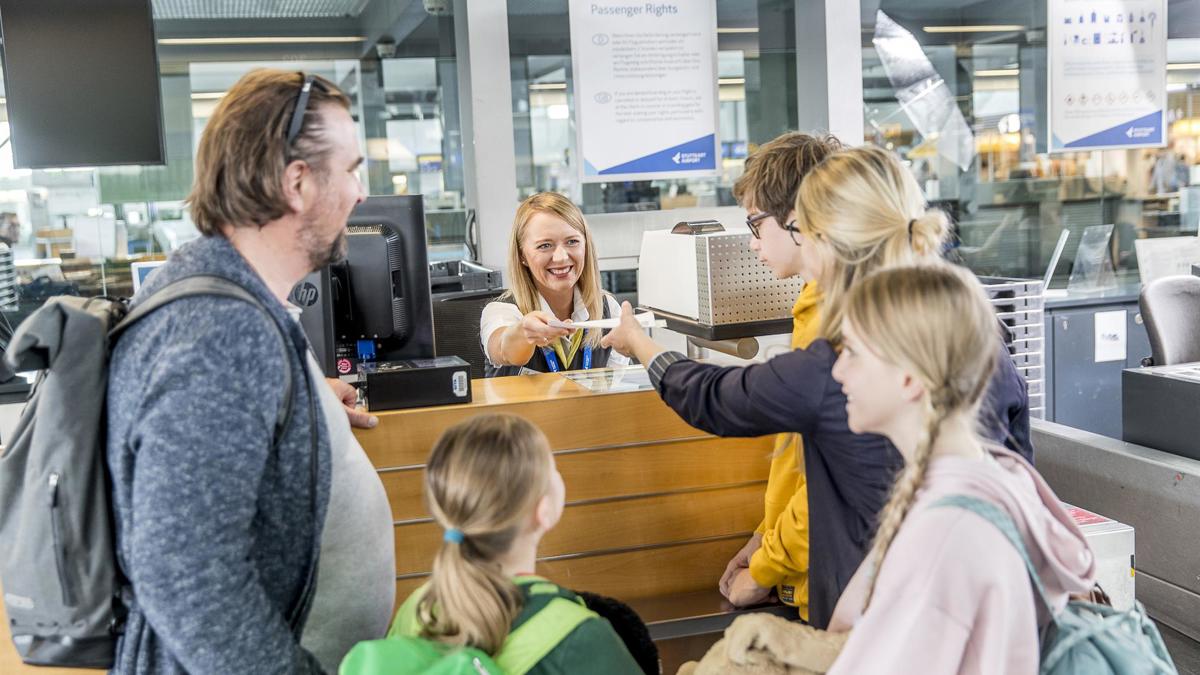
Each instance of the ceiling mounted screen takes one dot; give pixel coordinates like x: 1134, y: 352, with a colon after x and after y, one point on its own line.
x: 81, y: 79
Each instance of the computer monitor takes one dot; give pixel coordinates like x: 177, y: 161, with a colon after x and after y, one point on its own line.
x: 140, y: 271
x: 374, y: 305
x: 82, y: 83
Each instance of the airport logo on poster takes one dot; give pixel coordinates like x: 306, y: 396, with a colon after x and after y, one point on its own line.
x: 1108, y: 74
x: 645, y: 88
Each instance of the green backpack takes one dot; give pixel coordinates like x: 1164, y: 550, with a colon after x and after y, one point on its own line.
x: 403, y: 651
x: 1085, y: 637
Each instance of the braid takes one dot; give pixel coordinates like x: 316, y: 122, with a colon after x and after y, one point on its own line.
x: 905, y: 491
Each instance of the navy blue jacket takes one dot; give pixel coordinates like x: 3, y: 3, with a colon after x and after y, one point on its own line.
x: 849, y: 475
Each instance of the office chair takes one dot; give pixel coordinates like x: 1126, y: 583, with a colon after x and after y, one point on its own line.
x: 456, y: 325
x: 1171, y: 312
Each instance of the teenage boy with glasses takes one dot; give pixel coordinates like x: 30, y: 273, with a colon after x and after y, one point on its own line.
x: 776, y: 556
x: 220, y: 490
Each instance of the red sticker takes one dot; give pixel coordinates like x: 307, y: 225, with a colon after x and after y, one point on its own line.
x: 343, y: 366
x: 1084, y: 517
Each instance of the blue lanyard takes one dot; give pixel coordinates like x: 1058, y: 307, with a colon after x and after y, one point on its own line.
x: 552, y: 359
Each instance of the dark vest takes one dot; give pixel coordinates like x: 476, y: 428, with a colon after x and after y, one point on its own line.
x: 538, y: 360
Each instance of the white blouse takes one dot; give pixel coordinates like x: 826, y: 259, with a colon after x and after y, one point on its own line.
x: 498, y: 315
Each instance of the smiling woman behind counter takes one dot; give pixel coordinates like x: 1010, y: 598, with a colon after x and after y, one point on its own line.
x: 554, y: 277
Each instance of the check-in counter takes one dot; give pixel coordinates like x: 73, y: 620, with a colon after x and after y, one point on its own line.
x: 1155, y: 492
x: 655, y: 508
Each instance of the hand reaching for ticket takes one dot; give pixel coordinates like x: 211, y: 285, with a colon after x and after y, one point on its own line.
x: 630, y: 339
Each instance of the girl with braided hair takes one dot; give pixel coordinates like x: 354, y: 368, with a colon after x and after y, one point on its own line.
x: 944, y: 591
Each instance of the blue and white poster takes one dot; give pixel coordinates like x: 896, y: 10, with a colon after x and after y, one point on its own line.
x: 645, y: 89
x: 1107, y: 74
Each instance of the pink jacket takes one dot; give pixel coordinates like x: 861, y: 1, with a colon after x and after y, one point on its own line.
x: 953, y: 595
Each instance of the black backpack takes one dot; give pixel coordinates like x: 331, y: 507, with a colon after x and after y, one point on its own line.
x: 62, y: 583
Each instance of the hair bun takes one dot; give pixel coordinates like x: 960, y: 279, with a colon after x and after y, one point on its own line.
x: 927, y: 232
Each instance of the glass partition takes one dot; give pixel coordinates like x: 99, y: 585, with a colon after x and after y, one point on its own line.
x: 77, y: 230
x: 756, y: 77
x: 981, y: 153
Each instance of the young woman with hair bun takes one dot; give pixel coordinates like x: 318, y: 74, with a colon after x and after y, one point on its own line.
x: 859, y: 210
x: 944, y: 590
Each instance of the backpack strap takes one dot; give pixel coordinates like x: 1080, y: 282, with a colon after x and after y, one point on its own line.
x: 405, y: 624
x: 207, y: 284
x: 1003, y: 522
x: 219, y: 286
x: 542, y: 632
x: 531, y: 641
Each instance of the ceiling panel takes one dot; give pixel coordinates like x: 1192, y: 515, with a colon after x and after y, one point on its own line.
x: 256, y: 9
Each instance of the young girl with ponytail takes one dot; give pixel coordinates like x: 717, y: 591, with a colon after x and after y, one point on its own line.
x: 944, y: 590
x: 857, y: 211
x: 492, y: 486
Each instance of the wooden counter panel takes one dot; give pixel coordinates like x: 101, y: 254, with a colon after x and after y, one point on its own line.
x: 405, y: 440
x: 595, y: 527
x: 624, y: 471
x: 636, y: 574
x: 648, y: 573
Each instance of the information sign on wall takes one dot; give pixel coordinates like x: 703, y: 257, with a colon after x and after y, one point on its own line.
x: 645, y: 88
x: 1108, y: 74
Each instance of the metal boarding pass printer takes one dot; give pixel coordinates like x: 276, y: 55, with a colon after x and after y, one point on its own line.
x: 707, y: 283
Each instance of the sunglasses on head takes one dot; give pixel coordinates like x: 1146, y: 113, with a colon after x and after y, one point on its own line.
x: 297, y: 122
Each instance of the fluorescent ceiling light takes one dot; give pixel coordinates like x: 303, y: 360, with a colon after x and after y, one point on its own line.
x: 547, y: 86
x: 731, y: 80
x: 262, y: 40
x: 207, y: 95
x: 1004, y: 72
x: 997, y: 28
x: 1183, y: 66
x: 724, y: 31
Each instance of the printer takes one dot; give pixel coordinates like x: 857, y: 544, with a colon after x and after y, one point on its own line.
x: 1158, y: 408
x: 699, y: 271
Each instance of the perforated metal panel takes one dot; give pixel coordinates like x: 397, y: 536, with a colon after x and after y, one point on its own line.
x: 8, y: 280
x: 1019, y: 305
x: 256, y: 9
x: 734, y: 287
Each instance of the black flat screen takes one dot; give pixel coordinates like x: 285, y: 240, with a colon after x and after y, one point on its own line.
x: 81, y: 79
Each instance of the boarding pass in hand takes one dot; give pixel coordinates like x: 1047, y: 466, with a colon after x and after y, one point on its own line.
x: 645, y: 320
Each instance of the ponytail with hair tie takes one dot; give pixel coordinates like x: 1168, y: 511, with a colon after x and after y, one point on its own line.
x: 910, y: 226
x: 469, y: 599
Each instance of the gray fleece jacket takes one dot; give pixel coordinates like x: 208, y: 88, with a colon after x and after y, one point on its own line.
x: 214, y: 530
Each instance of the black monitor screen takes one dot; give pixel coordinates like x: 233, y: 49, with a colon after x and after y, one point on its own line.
x: 81, y: 79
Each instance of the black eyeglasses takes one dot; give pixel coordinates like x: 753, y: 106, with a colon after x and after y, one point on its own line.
x: 301, y: 107
x: 753, y: 221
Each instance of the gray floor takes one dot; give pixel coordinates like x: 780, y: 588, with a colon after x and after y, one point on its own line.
x: 1184, y: 650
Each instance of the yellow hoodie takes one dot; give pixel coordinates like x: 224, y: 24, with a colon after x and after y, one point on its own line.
x: 782, y: 560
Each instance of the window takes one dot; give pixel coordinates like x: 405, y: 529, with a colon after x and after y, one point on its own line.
x: 756, y: 80
x: 1010, y: 200
x: 77, y: 230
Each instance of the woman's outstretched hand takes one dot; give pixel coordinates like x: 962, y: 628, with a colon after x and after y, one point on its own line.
x: 537, y: 331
